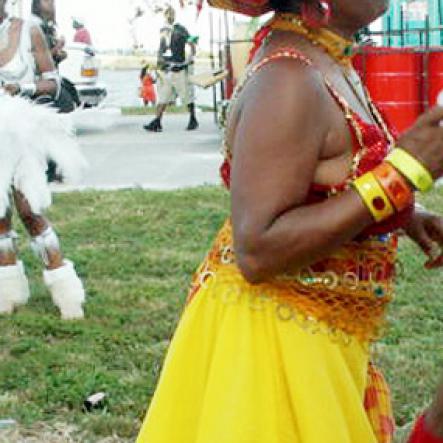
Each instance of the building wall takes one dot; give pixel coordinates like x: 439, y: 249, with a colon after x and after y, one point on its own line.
x: 411, y: 14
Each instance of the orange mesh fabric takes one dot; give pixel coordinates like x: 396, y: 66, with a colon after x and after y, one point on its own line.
x: 378, y: 406
x: 349, y: 291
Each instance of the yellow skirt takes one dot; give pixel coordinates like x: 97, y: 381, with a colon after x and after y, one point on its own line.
x: 242, y: 370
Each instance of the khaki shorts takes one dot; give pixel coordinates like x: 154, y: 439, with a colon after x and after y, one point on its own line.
x: 172, y: 84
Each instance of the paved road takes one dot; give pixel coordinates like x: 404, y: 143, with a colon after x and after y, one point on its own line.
x: 126, y: 156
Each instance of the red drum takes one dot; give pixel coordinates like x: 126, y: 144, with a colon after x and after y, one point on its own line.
x: 394, y: 78
x: 435, y: 76
x: 358, y: 60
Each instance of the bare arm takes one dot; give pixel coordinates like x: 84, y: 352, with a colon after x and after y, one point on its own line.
x: 162, y: 50
x: 278, y: 141
x: 193, y: 47
x: 44, y: 62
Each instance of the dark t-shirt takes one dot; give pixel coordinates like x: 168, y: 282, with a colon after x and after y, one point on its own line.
x: 179, y: 38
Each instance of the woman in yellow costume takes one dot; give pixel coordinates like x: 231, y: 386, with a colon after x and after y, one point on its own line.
x: 274, y: 343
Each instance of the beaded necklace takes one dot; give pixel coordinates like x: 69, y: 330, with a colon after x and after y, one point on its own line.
x: 339, y: 48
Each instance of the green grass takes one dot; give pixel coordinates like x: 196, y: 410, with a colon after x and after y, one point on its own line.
x: 136, y: 251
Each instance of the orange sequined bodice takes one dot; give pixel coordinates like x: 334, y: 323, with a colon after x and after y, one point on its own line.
x: 344, y: 295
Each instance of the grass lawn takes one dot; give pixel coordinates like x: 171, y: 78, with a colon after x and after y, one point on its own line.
x: 136, y: 251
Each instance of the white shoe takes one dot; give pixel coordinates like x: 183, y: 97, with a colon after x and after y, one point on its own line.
x: 14, y: 287
x: 66, y: 290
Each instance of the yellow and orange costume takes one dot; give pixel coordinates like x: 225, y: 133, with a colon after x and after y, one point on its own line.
x: 288, y: 360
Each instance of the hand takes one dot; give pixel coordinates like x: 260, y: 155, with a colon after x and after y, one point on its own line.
x: 426, y: 229
x: 61, y: 42
x: 434, y: 415
x: 425, y: 141
x: 12, y: 89
x: 60, y: 55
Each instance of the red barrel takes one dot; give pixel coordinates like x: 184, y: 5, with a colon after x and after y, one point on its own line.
x: 435, y: 75
x: 394, y: 78
x: 358, y: 60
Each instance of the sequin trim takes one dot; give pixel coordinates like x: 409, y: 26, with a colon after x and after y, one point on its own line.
x: 325, y: 295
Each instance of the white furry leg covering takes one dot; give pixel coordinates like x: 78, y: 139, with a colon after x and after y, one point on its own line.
x: 14, y: 287
x: 67, y: 290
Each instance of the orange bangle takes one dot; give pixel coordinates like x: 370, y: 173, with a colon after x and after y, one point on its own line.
x: 395, y: 186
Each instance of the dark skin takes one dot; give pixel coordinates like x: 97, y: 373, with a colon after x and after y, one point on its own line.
x: 286, y: 132
x: 35, y: 224
x: 47, y: 11
x: 275, y: 162
x: 434, y: 415
x: 41, y: 54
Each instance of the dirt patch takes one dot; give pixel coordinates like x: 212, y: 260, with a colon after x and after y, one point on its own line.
x: 58, y: 433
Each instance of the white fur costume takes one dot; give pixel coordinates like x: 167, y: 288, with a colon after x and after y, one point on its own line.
x: 30, y: 135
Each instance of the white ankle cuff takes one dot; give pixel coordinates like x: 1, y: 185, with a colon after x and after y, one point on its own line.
x: 66, y: 289
x: 14, y: 287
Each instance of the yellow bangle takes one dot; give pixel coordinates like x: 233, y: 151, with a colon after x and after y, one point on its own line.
x: 374, y: 196
x: 411, y: 168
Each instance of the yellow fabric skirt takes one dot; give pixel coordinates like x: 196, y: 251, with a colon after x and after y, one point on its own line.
x: 244, y: 370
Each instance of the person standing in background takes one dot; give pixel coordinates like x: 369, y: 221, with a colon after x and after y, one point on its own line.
x: 44, y: 16
x: 30, y: 135
x: 174, y: 76
x: 147, y: 89
x: 193, y: 42
x: 44, y: 13
x: 82, y: 35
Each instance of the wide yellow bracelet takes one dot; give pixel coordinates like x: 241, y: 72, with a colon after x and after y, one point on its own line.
x: 374, y: 196
x: 411, y: 168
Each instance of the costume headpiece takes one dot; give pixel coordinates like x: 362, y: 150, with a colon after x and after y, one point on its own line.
x: 253, y: 8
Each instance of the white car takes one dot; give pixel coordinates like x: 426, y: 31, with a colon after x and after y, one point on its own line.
x: 82, y: 68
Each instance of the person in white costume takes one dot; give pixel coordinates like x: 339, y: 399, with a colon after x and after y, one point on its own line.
x: 30, y: 134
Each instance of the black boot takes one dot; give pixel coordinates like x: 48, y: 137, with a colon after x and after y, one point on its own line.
x: 193, y: 123
x: 154, y: 126
x: 52, y: 174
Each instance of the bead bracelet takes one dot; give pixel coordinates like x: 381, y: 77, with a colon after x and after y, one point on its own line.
x: 411, y: 168
x: 374, y: 196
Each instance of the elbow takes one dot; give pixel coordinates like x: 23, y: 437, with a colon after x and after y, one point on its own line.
x: 251, y: 267
x: 250, y: 253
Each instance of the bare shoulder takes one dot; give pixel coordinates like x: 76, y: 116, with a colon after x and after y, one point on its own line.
x: 35, y: 30
x: 284, y: 66
x: 37, y: 36
x: 286, y: 87
x: 17, y: 24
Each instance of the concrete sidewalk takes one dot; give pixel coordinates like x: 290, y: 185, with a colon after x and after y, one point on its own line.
x: 126, y: 156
